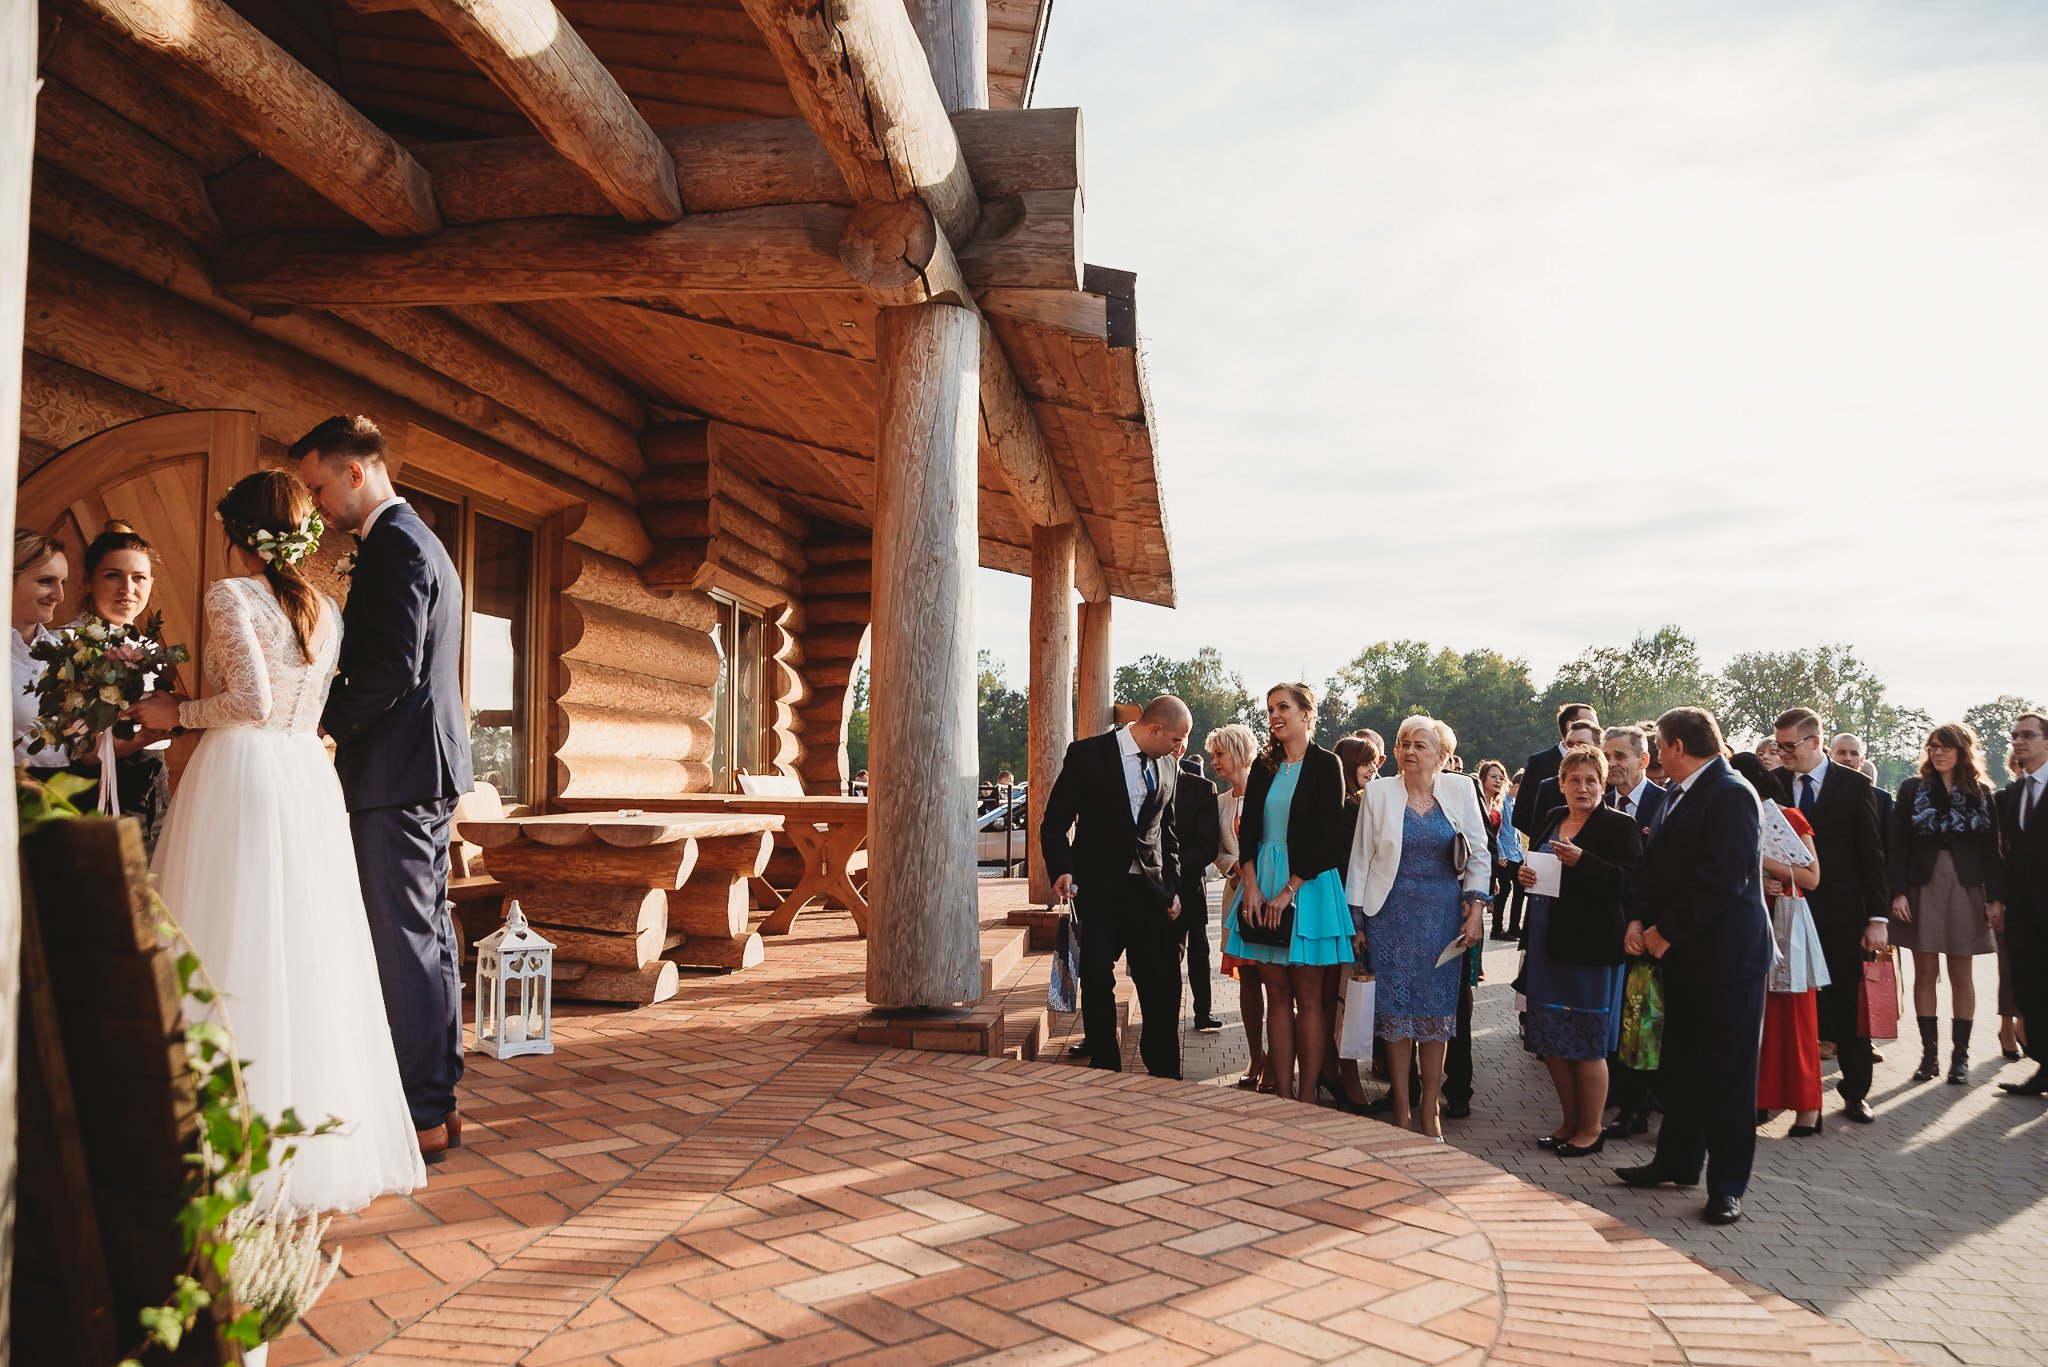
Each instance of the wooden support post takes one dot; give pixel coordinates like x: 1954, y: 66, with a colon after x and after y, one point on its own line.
x: 1052, y: 679
x: 17, y: 148
x: 924, y: 939
x: 954, y: 35
x: 211, y: 55
x: 1095, y: 698
x: 529, y: 50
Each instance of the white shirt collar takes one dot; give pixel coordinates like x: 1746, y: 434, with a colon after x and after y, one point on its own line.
x: 1818, y: 774
x: 1635, y: 796
x: 1127, y: 743
x: 379, y: 511
x: 1684, y: 785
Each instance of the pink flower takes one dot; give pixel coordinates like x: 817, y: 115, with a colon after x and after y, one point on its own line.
x: 128, y: 652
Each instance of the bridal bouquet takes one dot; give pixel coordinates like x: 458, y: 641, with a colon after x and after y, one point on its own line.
x: 92, y: 672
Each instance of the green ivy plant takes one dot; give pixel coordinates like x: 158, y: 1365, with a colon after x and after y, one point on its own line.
x: 278, y: 1276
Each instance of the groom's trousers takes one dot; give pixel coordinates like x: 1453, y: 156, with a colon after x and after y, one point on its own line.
x: 402, y: 859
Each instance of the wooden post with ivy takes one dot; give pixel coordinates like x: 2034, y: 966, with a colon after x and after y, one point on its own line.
x: 18, y: 46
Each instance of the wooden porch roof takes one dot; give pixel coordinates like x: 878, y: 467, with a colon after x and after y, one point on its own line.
x: 787, y: 373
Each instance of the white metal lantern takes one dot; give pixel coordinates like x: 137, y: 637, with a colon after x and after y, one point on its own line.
x: 515, y: 989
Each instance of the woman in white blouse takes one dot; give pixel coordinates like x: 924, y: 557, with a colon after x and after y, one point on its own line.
x: 1419, y: 880
x: 40, y: 570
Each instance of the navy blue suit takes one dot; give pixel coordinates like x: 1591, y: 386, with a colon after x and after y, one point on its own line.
x: 1633, y: 1090
x: 402, y: 752
x: 1702, y: 889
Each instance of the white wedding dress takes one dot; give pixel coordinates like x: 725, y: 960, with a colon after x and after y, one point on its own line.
x: 256, y: 863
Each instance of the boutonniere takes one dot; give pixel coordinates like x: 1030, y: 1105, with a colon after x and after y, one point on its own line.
x: 346, y: 568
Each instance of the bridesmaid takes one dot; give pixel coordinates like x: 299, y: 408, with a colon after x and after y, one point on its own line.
x: 120, y: 571
x: 40, y: 570
x: 1231, y: 749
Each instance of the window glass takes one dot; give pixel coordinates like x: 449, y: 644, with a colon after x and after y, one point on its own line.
x: 741, y: 717
x: 721, y: 704
x: 500, y: 656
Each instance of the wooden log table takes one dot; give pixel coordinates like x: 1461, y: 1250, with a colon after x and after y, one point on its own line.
x: 627, y: 896
x: 830, y: 836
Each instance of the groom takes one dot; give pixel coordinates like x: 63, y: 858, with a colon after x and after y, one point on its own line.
x: 402, y: 751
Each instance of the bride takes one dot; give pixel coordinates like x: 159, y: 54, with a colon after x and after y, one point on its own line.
x: 256, y: 863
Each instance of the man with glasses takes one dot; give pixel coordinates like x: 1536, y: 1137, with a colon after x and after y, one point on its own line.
x: 1852, y: 906
x: 2023, y: 828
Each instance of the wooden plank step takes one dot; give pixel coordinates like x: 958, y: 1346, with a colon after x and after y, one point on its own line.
x: 1002, y: 950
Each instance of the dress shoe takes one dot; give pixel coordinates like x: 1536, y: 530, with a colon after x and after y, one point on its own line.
x: 1380, y: 1105
x: 1458, y: 1110
x: 1081, y: 1050
x: 1650, y: 1175
x: 1627, y: 1125
x: 1569, y: 1150
x: 2037, y: 1085
x: 1807, y: 1131
x: 434, y: 1143
x: 1207, y: 1025
x: 453, y: 1121
x: 1547, y: 1141
x: 1859, y: 1111
x: 1723, y: 1210
x: 1877, y: 1056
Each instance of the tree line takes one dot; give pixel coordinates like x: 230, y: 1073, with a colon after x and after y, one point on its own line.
x: 1499, y: 712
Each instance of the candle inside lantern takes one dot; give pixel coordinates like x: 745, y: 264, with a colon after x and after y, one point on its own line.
x: 515, y: 1030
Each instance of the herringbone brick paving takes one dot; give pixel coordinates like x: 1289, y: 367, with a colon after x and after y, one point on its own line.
x: 727, y: 1177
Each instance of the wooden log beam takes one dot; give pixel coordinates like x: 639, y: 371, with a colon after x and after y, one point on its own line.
x: 899, y: 256
x: 219, y: 61
x: 532, y: 54
x: 781, y: 247
x: 1012, y: 153
x: 1093, y: 688
x: 924, y: 945
x: 954, y: 35
x: 1010, y: 430
x: 861, y: 80
x: 1050, y: 724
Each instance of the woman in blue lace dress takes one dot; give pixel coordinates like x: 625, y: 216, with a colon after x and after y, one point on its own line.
x: 1420, y: 872
x: 1291, y: 923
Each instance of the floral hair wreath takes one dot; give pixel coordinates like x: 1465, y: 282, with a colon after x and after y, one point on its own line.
x: 270, y: 547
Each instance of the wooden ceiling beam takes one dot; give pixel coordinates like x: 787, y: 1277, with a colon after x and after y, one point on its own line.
x: 213, y: 57
x: 860, y: 78
x: 544, y: 67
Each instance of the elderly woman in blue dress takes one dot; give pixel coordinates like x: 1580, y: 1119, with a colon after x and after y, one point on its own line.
x: 1290, y: 923
x: 1420, y: 879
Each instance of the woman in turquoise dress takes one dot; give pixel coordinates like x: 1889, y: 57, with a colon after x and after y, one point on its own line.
x: 1290, y: 922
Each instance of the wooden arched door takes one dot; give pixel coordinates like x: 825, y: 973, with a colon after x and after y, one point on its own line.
x: 163, y: 475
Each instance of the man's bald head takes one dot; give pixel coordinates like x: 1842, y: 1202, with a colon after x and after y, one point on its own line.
x: 1847, y: 750
x: 1163, y: 725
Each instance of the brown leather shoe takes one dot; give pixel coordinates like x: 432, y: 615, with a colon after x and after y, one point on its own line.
x: 454, y: 1125
x: 434, y: 1143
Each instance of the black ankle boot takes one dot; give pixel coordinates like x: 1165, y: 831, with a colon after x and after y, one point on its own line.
x: 1930, y: 1050
x: 1959, y: 1054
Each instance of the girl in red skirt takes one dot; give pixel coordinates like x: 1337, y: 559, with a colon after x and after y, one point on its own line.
x: 1788, y: 1066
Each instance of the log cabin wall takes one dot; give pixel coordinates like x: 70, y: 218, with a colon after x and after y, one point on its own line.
x: 837, y: 608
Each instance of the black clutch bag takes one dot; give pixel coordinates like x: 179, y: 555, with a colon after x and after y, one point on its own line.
x: 1274, y: 937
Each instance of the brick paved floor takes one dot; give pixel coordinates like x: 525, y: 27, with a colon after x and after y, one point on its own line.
x: 1927, y: 1230
x: 728, y: 1177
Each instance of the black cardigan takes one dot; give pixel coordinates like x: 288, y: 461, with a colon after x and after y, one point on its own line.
x: 1315, y: 818
x: 1588, y: 917
x: 1911, y: 854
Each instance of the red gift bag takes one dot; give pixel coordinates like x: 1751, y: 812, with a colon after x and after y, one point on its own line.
x: 1877, y: 1001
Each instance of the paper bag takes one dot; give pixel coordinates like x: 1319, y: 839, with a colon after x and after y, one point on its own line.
x: 1354, y: 1040
x: 1877, y: 1001
x: 1063, y: 992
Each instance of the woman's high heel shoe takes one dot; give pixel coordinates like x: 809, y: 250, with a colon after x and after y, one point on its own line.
x: 1807, y: 1131
x: 1569, y: 1150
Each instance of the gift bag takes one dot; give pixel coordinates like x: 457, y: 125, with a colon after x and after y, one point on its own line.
x: 1355, y: 1038
x: 1642, y: 1017
x: 1063, y: 992
x: 1877, y: 1000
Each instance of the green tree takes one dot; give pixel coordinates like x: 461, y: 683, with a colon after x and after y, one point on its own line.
x: 1992, y: 721
x: 1004, y: 719
x: 1636, y: 682
x: 1484, y: 696
x: 1214, y: 694
x: 857, y: 724
x: 1759, y: 685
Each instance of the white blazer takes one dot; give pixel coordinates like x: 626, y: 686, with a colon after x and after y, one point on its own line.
x: 1376, y: 848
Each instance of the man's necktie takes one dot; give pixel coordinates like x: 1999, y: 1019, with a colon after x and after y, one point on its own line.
x: 1151, y: 779
x: 1625, y: 802
x: 2027, y: 800
x: 1806, y: 799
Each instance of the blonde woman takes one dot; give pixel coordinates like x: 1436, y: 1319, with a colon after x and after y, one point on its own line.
x: 1420, y: 876
x: 1231, y: 750
x: 40, y: 570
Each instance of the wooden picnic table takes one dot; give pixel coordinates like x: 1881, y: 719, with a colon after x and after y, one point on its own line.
x: 628, y: 895
x: 829, y: 834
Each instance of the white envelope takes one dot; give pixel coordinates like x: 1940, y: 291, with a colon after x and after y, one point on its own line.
x: 1549, y: 871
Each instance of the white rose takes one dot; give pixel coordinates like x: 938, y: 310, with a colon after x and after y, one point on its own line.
x: 111, y: 694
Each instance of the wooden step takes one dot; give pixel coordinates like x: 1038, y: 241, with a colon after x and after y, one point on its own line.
x: 1043, y: 922
x: 1002, y: 950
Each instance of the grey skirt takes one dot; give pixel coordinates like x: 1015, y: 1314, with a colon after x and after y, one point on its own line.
x: 1948, y: 918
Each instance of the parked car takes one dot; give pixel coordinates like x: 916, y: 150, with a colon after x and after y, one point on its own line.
x: 1003, y: 836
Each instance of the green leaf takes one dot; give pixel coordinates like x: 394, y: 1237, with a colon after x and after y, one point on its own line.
x: 246, y: 1329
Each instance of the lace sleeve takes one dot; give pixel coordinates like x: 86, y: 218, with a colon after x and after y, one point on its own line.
x: 235, y: 657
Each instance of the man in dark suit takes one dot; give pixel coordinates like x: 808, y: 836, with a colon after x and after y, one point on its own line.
x: 1198, y: 822
x: 1852, y: 906
x: 401, y: 750
x: 1543, y: 765
x: 1629, y: 791
x: 1700, y: 912
x: 2023, y: 828
x: 1122, y: 873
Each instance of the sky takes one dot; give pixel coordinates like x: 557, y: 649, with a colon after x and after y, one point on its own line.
x: 1534, y: 324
